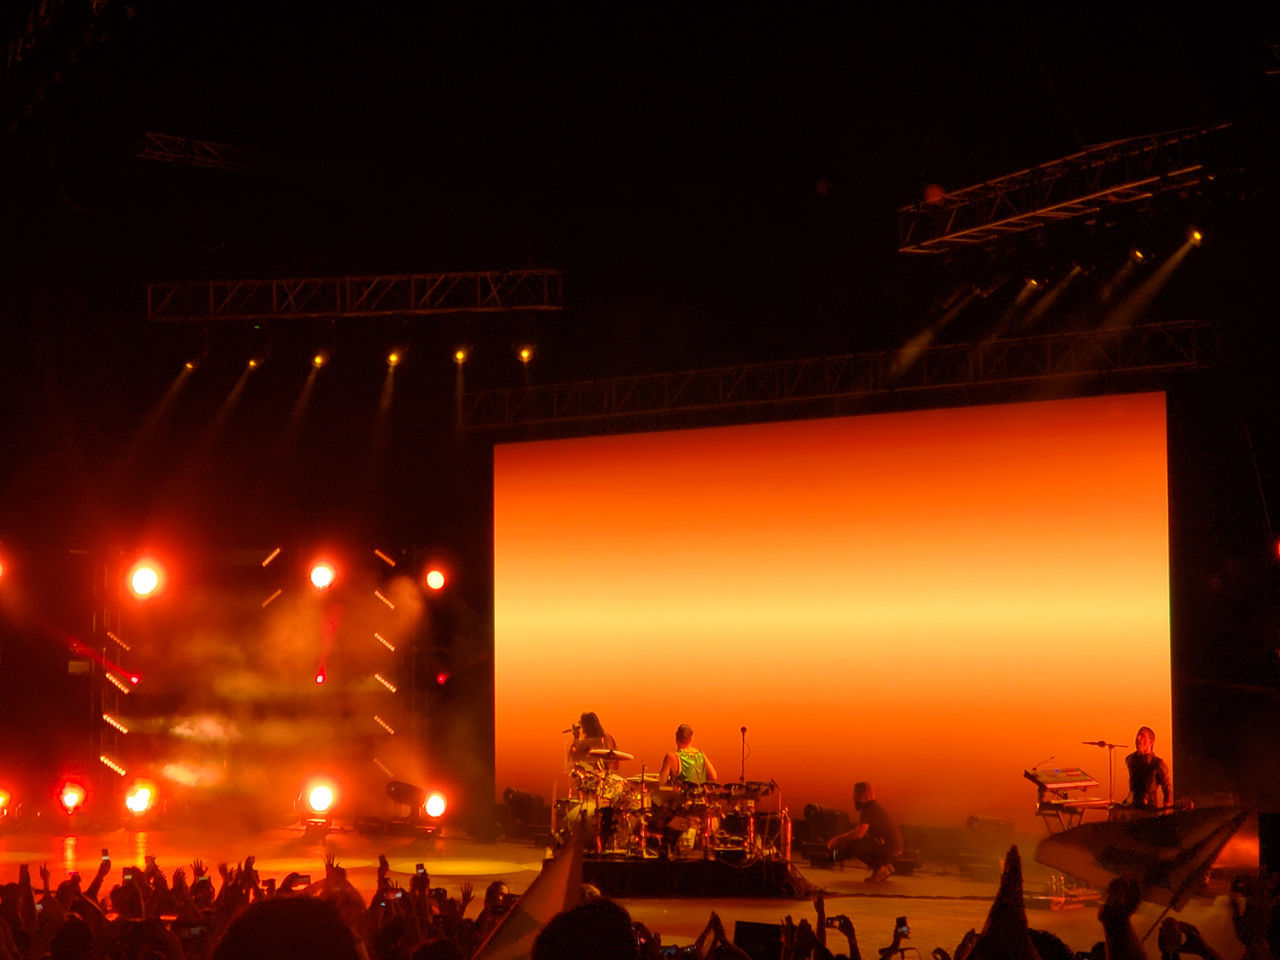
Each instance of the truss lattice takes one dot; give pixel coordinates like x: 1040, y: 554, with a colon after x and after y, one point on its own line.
x: 333, y: 298
x: 1150, y: 349
x: 1108, y: 175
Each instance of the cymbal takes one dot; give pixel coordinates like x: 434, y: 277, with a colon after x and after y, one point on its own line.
x: 601, y: 753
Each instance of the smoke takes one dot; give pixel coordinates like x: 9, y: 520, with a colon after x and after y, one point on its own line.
x: 229, y: 701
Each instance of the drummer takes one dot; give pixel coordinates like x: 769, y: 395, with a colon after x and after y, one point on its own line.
x: 589, y: 735
x: 688, y: 764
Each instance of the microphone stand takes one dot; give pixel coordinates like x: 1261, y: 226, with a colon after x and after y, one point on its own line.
x: 742, y: 776
x: 1111, y: 764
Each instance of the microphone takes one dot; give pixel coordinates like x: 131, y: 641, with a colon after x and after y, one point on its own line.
x: 570, y: 730
x: 1094, y: 743
x: 744, y: 730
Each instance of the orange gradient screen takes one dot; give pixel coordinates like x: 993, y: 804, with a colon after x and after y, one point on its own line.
x: 933, y: 601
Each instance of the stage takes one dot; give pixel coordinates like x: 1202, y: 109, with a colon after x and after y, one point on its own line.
x: 940, y: 902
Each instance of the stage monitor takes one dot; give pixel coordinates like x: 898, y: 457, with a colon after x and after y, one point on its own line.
x: 934, y: 601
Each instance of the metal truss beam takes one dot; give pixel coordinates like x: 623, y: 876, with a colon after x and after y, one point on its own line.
x: 198, y: 153
x: 338, y: 298
x: 1155, y: 348
x: 1107, y: 175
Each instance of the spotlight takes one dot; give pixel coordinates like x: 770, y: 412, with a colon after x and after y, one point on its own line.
x: 460, y: 356
x: 140, y: 797
x: 320, y: 359
x: 72, y: 796
x: 322, y: 575
x: 6, y: 802
x: 406, y: 793
x: 436, y: 804
x: 144, y: 579
x: 189, y: 365
x: 1138, y: 255
x: 393, y: 358
x: 526, y: 354
x: 435, y: 579
x: 321, y: 676
x: 320, y: 798
x: 254, y: 363
x: 1196, y: 237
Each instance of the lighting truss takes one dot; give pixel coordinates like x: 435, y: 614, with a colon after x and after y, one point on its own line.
x: 1082, y: 184
x: 364, y: 297
x: 829, y: 382
x: 198, y: 153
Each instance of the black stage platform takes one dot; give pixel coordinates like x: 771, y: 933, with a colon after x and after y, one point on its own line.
x: 635, y: 877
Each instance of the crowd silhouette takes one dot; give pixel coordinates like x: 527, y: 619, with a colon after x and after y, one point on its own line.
x: 239, y: 915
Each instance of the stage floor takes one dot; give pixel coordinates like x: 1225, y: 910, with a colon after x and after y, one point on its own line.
x: 941, y: 904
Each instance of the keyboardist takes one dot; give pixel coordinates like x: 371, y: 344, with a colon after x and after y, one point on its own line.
x: 1150, y: 786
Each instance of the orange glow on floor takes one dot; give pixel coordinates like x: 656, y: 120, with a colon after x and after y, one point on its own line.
x: 933, y: 601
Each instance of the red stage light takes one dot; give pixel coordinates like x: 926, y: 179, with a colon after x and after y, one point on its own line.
x: 435, y: 579
x: 71, y: 796
x: 436, y: 804
x: 145, y: 579
x: 442, y: 678
x: 321, y: 796
x: 320, y: 675
x: 140, y: 797
x: 322, y: 575
x: 6, y: 799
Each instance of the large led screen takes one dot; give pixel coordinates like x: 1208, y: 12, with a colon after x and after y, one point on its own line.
x: 932, y: 601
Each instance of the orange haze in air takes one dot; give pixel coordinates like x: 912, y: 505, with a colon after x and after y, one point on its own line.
x: 933, y: 601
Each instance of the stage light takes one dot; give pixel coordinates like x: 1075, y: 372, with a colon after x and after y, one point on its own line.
x: 393, y: 358
x: 320, y: 359
x: 6, y: 802
x: 412, y: 797
x: 460, y: 356
x: 1138, y: 255
x: 435, y: 579
x: 436, y: 804
x: 140, y: 797
x: 442, y: 678
x: 321, y: 796
x: 320, y: 676
x: 71, y: 796
x: 1196, y: 237
x: 254, y: 363
x: 145, y: 579
x: 526, y: 354
x: 322, y: 575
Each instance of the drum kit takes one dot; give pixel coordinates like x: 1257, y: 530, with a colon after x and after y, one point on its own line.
x: 637, y: 816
